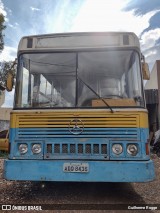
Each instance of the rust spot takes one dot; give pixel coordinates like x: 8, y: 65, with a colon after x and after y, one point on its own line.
x: 83, y: 139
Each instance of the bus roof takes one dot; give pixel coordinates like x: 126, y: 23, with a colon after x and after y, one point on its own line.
x: 81, y: 40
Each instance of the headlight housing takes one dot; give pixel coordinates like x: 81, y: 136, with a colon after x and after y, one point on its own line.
x: 132, y: 149
x: 23, y: 148
x: 36, y: 148
x: 117, y: 149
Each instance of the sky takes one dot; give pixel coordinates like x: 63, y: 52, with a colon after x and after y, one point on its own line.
x: 32, y: 17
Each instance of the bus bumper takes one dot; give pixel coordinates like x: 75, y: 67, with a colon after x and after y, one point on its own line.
x: 99, y: 171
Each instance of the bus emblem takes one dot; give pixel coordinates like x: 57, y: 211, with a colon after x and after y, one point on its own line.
x: 76, y: 127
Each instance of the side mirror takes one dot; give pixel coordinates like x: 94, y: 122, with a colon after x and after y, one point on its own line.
x: 145, y: 71
x: 9, y: 81
x: 11, y: 76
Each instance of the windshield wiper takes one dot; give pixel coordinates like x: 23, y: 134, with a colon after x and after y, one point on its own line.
x: 89, y: 87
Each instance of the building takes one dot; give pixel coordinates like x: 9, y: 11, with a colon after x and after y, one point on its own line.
x: 4, y: 118
x: 152, y: 92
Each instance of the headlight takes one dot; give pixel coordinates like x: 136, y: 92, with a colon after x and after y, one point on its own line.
x: 36, y: 148
x: 132, y: 149
x: 117, y: 149
x: 23, y: 148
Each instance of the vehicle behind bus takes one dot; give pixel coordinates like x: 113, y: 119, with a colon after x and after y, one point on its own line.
x: 79, y: 111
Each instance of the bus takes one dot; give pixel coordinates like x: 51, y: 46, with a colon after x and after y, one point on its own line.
x: 79, y: 111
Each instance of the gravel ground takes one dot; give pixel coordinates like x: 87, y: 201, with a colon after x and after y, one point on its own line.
x: 26, y: 192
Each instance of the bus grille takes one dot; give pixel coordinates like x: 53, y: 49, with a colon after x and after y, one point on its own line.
x: 50, y: 133
x: 73, y: 151
x: 99, y: 128
x: 77, y: 148
x: 90, y: 120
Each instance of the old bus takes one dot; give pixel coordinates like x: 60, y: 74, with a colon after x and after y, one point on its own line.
x: 79, y: 111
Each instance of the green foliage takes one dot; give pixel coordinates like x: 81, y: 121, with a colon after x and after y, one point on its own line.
x: 3, y: 65
x: 2, y: 27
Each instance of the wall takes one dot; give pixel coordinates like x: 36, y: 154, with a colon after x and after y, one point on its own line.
x: 4, y: 118
x: 154, y: 83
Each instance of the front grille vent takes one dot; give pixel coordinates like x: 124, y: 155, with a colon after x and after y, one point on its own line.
x: 112, y: 133
x: 61, y: 149
x: 96, y: 149
x: 64, y: 148
x: 56, y: 148
x: 88, y: 149
x: 90, y: 120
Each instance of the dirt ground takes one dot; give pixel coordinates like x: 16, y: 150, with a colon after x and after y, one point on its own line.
x: 80, y: 194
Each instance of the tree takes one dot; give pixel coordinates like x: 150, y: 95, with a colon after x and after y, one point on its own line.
x: 5, y: 67
x: 2, y: 27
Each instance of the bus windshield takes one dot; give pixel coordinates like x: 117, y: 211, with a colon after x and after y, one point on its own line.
x: 60, y: 79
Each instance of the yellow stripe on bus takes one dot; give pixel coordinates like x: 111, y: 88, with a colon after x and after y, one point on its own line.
x: 92, y: 119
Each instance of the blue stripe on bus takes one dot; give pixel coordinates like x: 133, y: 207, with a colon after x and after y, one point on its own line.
x: 139, y: 137
x: 47, y: 133
x: 99, y: 171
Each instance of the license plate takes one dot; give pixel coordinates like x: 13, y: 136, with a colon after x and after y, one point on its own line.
x: 76, y: 167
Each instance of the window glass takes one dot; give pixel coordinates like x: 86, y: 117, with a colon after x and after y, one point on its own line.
x: 81, y: 79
